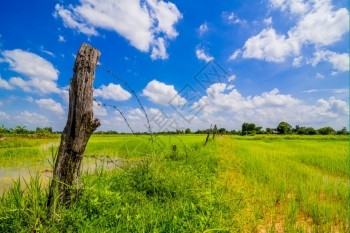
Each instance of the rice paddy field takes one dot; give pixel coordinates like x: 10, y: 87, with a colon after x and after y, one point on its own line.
x: 175, y: 183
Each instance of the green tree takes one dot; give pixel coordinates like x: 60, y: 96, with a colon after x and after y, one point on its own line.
x: 19, y: 130
x: 187, y: 131
x: 300, y: 130
x: 269, y: 130
x: 284, y: 128
x: 222, y: 131
x: 326, y: 130
x: 310, y: 131
x: 248, y: 128
x: 343, y: 131
x: 3, y: 130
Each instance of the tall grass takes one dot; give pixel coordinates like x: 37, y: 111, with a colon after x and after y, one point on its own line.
x: 233, y: 184
x: 301, y: 185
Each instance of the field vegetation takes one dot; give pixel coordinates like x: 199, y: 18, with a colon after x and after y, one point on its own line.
x: 262, y: 183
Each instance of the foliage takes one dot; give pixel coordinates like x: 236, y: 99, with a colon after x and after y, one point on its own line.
x: 250, y: 129
x: 326, y: 130
x: 3, y: 130
x: 284, y: 128
x: 187, y: 131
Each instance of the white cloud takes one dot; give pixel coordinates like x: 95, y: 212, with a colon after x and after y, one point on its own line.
x: 31, y: 120
x: 29, y: 99
x: 297, y: 61
x: 61, y: 38
x: 112, y: 92
x: 5, y: 84
x: 226, y: 106
x: 321, y: 25
x: 231, y: 17
x: 318, y: 75
x: 41, y: 73
x: 51, y: 105
x: 70, y: 20
x: 294, y: 6
x: 4, y: 116
x: 167, y: 14
x: 318, y: 24
x: 268, y: 21
x: 269, y: 46
x: 145, y: 25
x: 332, y: 107
x: 65, y: 95
x: 338, y: 90
x: 136, y: 114
x: 231, y: 78
x: 203, y: 28
x: 340, y: 62
x: 99, y: 110
x: 42, y: 49
x: 235, y: 54
x: 161, y: 93
x: 159, y: 50
x: 202, y: 55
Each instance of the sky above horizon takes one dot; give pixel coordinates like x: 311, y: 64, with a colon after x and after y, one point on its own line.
x: 190, y: 63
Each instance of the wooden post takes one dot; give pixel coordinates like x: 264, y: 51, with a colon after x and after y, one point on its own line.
x: 80, y: 125
x: 215, y: 130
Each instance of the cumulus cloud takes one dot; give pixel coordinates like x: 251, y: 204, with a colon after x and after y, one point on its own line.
x: 5, y: 84
x: 321, y: 25
x: 40, y: 74
x: 224, y: 105
x: 31, y: 119
x: 112, y: 92
x: 70, y: 21
x: 161, y: 93
x: 202, y: 55
x: 51, y: 105
x: 294, y: 6
x: 340, y: 62
x: 269, y: 46
x: 145, y: 25
x: 135, y: 114
x: 318, y: 24
x: 227, y: 105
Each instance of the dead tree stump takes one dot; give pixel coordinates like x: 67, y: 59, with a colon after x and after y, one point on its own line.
x: 80, y: 125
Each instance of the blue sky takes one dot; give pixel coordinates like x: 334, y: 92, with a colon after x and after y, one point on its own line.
x: 267, y: 61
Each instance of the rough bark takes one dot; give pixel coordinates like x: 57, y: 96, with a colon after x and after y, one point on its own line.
x: 80, y: 125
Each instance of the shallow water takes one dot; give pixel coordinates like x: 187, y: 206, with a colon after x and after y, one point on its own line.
x: 25, y: 171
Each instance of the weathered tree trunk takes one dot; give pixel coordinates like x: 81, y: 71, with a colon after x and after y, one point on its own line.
x: 80, y: 125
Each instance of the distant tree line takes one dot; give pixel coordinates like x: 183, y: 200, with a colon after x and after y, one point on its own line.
x: 247, y: 129
x: 22, y: 130
x: 285, y: 128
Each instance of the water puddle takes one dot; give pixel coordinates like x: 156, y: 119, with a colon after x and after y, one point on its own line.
x: 43, y: 167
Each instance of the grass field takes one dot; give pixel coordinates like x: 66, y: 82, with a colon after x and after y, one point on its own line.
x: 233, y: 184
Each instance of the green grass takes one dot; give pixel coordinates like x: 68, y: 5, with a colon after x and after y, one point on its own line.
x: 233, y: 184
